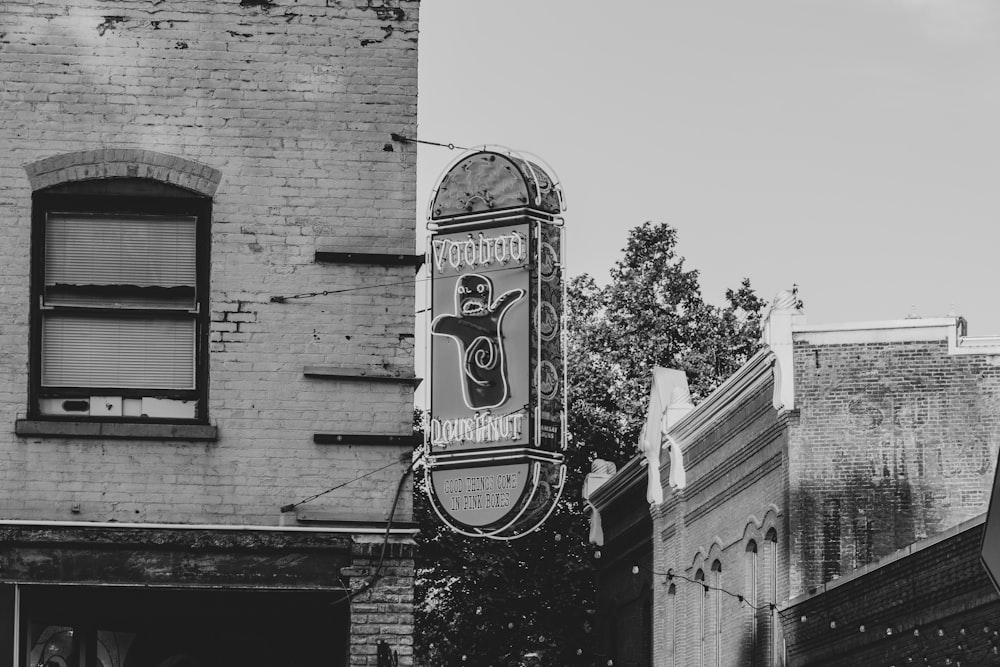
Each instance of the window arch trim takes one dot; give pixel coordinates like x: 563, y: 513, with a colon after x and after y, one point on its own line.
x: 111, y: 163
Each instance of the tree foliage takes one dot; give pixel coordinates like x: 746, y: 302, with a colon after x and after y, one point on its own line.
x: 529, y: 601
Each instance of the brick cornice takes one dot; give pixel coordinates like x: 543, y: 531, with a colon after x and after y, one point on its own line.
x: 632, y: 473
x: 729, y: 396
x: 769, y: 466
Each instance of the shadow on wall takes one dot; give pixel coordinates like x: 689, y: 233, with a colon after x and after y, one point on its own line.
x: 866, y: 518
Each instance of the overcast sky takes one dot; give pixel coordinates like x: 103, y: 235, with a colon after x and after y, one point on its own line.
x: 849, y: 146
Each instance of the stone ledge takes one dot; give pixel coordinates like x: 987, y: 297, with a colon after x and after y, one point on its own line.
x: 134, y: 431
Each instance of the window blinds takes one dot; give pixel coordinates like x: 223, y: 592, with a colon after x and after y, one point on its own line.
x: 125, y: 353
x: 109, y: 262
x: 122, y: 251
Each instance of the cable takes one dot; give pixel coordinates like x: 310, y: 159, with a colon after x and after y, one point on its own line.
x: 388, y: 529
x: 292, y: 506
x: 307, y: 295
x: 412, y: 140
x: 671, y: 575
x: 349, y: 594
x: 412, y: 281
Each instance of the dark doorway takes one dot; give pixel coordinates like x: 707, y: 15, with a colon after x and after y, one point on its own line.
x: 146, y: 627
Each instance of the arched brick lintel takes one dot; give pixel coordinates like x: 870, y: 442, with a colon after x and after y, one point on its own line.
x: 123, y: 163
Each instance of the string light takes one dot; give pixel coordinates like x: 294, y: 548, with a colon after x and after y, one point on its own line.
x: 994, y: 648
x: 671, y: 575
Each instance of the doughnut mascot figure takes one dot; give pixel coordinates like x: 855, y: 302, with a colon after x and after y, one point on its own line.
x: 476, y: 328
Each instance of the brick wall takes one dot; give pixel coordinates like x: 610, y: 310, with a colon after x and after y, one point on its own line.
x: 893, y: 442
x: 623, y: 595
x: 932, y: 603
x: 892, y: 438
x: 381, y: 615
x: 736, y: 480
x: 291, y: 105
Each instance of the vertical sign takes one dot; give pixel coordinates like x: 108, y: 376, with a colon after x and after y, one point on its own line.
x: 496, y: 428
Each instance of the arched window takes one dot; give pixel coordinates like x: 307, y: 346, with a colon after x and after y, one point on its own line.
x: 771, y: 565
x: 671, y: 624
x: 120, y: 301
x: 717, y: 595
x: 699, y: 576
x: 751, y: 595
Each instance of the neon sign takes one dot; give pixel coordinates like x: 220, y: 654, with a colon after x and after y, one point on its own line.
x: 496, y: 428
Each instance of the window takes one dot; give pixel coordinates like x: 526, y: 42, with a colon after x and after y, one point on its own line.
x: 771, y: 544
x: 119, y: 302
x: 699, y: 577
x: 752, y: 597
x: 717, y: 585
x: 671, y: 624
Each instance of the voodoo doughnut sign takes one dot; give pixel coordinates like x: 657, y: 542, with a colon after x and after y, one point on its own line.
x: 496, y: 428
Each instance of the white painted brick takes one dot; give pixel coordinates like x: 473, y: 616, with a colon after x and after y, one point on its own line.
x: 287, y: 119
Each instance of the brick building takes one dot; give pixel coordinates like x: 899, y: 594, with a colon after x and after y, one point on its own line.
x: 830, y: 450
x: 196, y: 468
x: 929, y: 603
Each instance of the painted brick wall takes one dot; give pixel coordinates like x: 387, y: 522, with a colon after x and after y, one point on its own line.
x: 894, y: 442
x: 293, y: 103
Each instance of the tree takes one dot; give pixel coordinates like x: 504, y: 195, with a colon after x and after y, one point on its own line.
x: 528, y: 602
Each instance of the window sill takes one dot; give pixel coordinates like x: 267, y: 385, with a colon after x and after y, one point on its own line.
x: 134, y: 431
